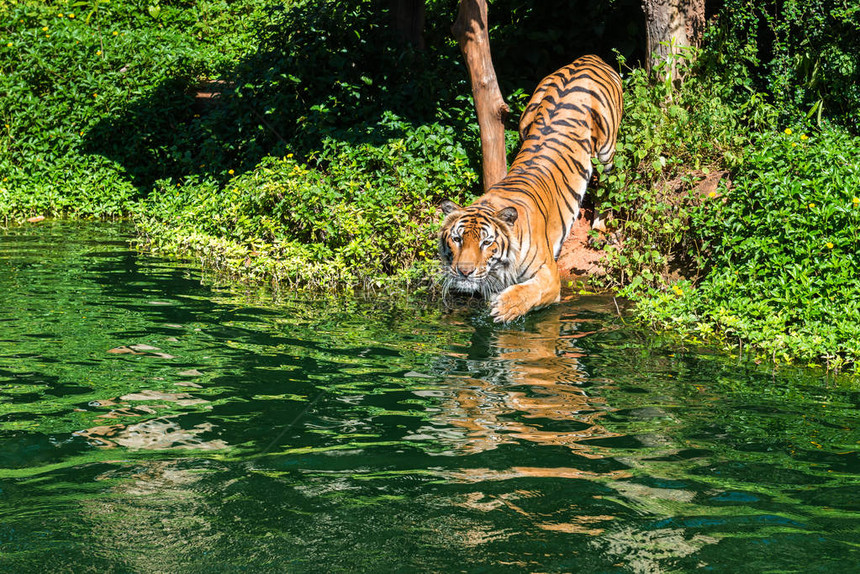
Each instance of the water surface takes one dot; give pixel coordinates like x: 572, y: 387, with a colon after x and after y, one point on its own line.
x: 152, y: 421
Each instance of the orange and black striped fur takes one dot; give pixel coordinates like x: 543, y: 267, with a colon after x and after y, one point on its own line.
x: 505, y: 244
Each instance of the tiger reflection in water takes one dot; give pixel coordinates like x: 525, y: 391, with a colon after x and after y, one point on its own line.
x: 536, y: 391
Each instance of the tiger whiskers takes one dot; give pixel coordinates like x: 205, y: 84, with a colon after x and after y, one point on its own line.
x: 488, y: 283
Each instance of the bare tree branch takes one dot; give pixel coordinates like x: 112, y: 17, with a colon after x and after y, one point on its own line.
x: 470, y: 30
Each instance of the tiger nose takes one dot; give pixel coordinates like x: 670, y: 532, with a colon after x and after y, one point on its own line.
x: 465, y: 269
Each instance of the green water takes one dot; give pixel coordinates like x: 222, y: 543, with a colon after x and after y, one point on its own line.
x: 154, y: 422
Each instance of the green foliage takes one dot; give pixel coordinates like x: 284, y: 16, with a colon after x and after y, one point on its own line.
x: 325, y: 155
x: 67, y: 65
x: 318, y: 72
x: 672, y: 136
x: 799, y: 54
x: 112, y: 111
x: 361, y: 213
x: 334, y: 68
x: 783, y: 250
x: 770, y: 256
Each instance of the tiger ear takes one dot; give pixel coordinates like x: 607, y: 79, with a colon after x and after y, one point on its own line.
x: 448, y: 206
x: 508, y: 215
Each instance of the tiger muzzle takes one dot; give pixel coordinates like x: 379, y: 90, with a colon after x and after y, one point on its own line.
x: 465, y: 270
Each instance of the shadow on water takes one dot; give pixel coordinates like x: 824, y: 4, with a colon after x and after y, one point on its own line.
x: 151, y: 422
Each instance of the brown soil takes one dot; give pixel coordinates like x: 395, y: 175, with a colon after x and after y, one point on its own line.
x: 577, y: 260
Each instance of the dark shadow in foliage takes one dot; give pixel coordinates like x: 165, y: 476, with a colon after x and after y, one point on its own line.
x: 533, y: 39
x: 324, y: 69
x: 801, y: 54
x: 333, y: 69
x: 157, y: 137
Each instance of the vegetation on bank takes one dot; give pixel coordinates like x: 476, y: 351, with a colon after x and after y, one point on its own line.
x: 766, y: 261
x: 71, y: 71
x: 300, y: 142
x: 777, y: 251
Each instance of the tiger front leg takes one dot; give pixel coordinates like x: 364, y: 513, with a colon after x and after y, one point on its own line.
x: 517, y: 300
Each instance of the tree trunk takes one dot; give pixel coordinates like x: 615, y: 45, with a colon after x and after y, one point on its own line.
x: 470, y: 30
x: 670, y: 26
x: 408, y: 16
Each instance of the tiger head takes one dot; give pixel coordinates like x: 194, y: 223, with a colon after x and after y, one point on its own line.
x: 478, y: 248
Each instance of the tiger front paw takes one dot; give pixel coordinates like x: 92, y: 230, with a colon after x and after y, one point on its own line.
x: 511, y: 303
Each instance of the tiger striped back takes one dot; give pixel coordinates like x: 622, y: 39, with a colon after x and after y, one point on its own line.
x: 572, y: 117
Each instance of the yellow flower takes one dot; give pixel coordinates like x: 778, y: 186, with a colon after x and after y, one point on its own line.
x: 45, y: 29
x: 95, y: 95
x: 712, y: 194
x: 856, y: 200
x: 829, y: 245
x: 9, y: 45
x: 99, y: 53
x: 116, y: 33
x: 231, y: 172
x: 788, y: 131
x: 804, y: 137
x: 60, y: 15
x: 71, y: 15
x: 794, y: 144
x: 811, y: 205
x: 678, y: 291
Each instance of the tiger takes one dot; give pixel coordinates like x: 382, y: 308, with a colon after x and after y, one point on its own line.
x: 504, y: 245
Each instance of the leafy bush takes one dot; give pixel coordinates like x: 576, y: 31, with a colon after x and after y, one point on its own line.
x: 671, y: 137
x: 320, y: 70
x: 67, y: 65
x: 329, y: 148
x: 104, y: 110
x: 361, y: 213
x: 784, y: 250
x: 766, y: 261
x: 801, y: 54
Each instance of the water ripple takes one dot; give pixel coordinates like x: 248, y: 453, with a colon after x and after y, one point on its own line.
x: 145, y: 408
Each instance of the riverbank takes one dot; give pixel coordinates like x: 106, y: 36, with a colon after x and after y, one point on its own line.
x: 321, y: 165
